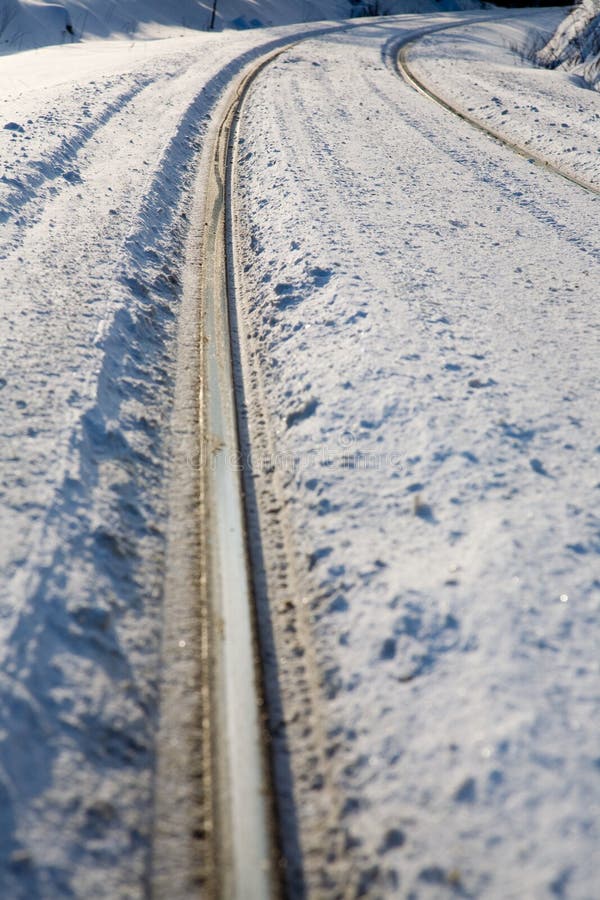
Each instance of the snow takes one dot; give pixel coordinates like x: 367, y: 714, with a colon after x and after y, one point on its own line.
x: 422, y: 307
x: 575, y: 45
x: 543, y: 111
x: 25, y: 24
x: 96, y: 193
x: 396, y: 7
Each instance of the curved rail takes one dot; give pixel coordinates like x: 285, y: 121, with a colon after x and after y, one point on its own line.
x: 244, y: 838
x: 236, y: 791
x: 215, y: 827
x: 245, y: 833
x: 401, y: 64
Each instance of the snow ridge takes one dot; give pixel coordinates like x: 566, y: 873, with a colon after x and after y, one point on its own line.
x: 575, y: 45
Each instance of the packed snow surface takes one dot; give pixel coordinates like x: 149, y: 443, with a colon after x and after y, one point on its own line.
x: 546, y: 112
x: 424, y: 304
x: 424, y: 309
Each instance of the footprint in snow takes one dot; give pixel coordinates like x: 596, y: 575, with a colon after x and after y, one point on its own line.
x: 320, y: 276
x: 477, y: 383
x: 304, y: 412
x: 538, y: 468
x: 286, y: 298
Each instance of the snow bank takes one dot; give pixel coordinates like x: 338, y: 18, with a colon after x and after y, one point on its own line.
x: 576, y: 43
x: 26, y: 24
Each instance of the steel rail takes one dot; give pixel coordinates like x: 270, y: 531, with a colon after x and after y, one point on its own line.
x: 215, y: 829
x: 401, y: 64
x: 242, y: 829
x: 244, y: 838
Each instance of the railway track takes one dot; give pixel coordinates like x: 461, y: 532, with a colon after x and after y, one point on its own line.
x: 214, y: 832
x: 216, y: 817
x: 236, y: 824
x: 400, y: 57
x: 244, y: 836
x: 263, y: 696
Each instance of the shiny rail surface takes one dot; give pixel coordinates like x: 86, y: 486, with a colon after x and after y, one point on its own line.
x: 244, y: 833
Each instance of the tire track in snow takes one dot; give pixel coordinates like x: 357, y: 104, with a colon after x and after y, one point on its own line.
x: 65, y: 168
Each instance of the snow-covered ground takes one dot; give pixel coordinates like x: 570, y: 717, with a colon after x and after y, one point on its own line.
x: 96, y: 192
x: 546, y: 112
x: 423, y: 307
x: 34, y: 23
x: 575, y: 45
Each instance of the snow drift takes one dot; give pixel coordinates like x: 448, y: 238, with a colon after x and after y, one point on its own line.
x: 26, y: 24
x: 575, y: 45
